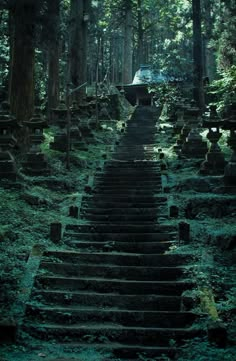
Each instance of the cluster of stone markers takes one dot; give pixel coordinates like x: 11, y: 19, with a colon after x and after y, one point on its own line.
x: 114, y: 286
x: 190, y: 144
x: 35, y: 163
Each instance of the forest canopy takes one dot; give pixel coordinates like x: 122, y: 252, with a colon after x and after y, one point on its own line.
x: 46, y: 44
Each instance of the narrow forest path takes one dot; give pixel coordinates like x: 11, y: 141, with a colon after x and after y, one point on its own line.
x: 115, y: 287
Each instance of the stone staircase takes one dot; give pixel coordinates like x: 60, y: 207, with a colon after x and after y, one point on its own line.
x: 114, y: 287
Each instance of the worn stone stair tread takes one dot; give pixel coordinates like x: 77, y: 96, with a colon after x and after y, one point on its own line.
x: 118, y: 285
x: 120, y: 218
x: 125, y: 237
x: 118, y: 349
x: 103, y: 300
x: 114, y: 228
x: 110, y: 326
x: 124, y: 272
x: 141, y: 318
x: 113, y: 266
x: 128, y: 247
x: 78, y: 255
x: 131, y: 210
x: 115, y: 280
x: 147, y: 336
x: 118, y: 258
x: 71, y: 308
x: 121, y: 237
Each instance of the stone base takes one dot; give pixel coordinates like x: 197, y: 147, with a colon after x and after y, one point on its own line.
x: 10, y: 176
x: 7, y: 167
x: 60, y: 143
x: 8, y: 331
x: 35, y: 165
x: 194, y: 150
x: 36, y: 172
x: 208, y: 168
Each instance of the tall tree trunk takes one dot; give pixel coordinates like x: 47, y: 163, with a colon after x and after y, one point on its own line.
x: 198, y: 91
x: 140, y: 50
x: 79, y: 44
x: 23, y: 60
x: 210, y: 57
x: 53, y: 54
x: 128, y: 46
x: 11, y: 42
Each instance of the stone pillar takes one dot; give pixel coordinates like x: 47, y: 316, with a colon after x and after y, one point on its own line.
x: 230, y: 169
x: 7, y: 142
x: 60, y: 120
x: 214, y: 163
x: 35, y: 164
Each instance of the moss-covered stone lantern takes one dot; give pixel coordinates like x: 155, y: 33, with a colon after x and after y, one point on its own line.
x: 193, y: 145
x: 60, y: 137
x: 214, y: 163
x: 230, y: 169
x: 35, y: 164
x: 7, y: 142
x: 75, y: 133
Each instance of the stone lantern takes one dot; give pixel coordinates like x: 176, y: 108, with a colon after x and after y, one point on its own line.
x: 75, y: 133
x: 193, y: 145
x: 86, y: 111
x: 215, y: 161
x: 183, y: 126
x: 7, y: 142
x: 35, y: 164
x: 5, y: 108
x: 230, y: 169
x: 60, y: 137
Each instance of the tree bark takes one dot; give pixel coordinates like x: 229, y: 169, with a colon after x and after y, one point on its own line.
x: 23, y: 60
x: 78, y: 45
x: 198, y: 91
x: 53, y: 54
x: 140, y: 50
x: 128, y: 46
x: 210, y: 57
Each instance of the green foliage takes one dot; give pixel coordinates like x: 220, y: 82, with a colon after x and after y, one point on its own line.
x: 199, y: 349
x: 224, y: 89
x: 165, y: 93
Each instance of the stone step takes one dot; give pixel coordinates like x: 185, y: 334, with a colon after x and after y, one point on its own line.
x: 127, y: 192
x: 151, y: 302
x: 114, y: 228
x: 109, y: 331
x: 102, y: 285
x: 141, y: 171
x: 122, y: 218
x: 114, y: 272
x: 69, y: 315
x: 113, y: 202
x: 127, y: 186
x: 138, y: 178
x: 135, y: 200
x: 152, y: 211
x: 119, y: 258
x: 118, y: 237
x: 132, y: 164
x: 155, y: 188
x: 128, y: 247
x: 128, y: 181
x: 120, y: 351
